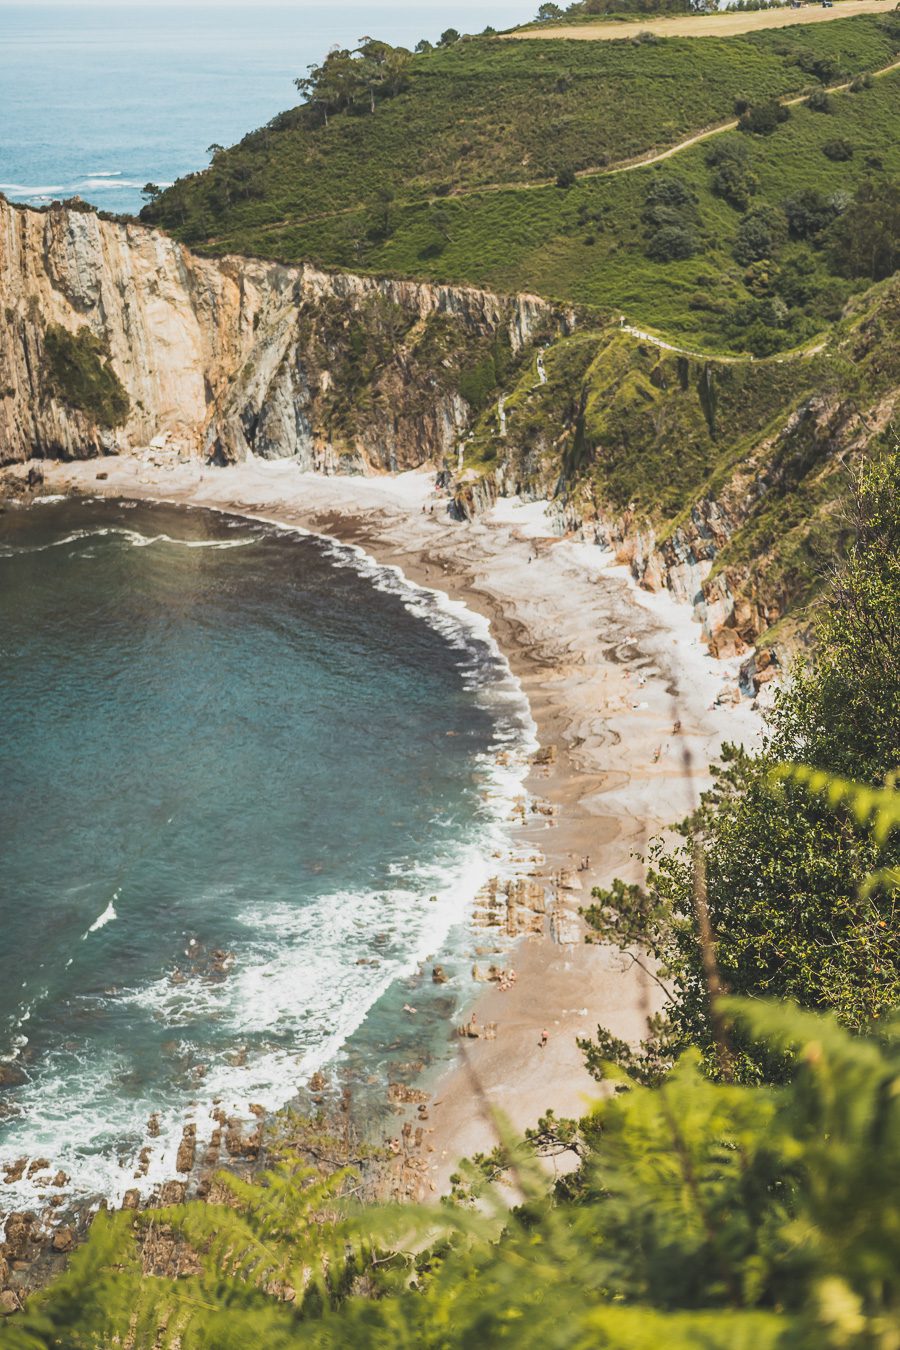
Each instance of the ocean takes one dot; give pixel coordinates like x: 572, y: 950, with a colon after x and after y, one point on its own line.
x: 249, y: 781
x: 98, y: 100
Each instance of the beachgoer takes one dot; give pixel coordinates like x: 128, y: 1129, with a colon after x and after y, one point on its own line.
x: 511, y: 975
x: 408, y: 1009
x: 544, y: 1039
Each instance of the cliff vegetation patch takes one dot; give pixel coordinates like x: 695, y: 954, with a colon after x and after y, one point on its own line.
x: 79, y: 374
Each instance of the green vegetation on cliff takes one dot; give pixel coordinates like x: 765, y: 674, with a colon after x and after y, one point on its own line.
x: 79, y: 374
x: 743, y: 464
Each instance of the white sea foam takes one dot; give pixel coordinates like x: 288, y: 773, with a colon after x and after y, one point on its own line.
x: 108, y: 915
x: 132, y: 537
x: 24, y: 190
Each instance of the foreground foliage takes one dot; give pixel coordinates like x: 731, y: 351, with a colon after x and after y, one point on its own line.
x: 705, y: 1214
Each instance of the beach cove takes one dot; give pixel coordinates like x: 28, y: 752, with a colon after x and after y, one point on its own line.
x: 608, y: 672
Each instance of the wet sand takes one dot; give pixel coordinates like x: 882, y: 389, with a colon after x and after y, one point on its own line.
x: 608, y: 671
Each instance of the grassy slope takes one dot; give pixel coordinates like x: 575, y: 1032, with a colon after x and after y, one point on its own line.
x: 618, y: 422
x: 486, y: 112
x: 539, y: 240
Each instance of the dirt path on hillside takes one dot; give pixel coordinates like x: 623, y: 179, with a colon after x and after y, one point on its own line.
x: 723, y: 24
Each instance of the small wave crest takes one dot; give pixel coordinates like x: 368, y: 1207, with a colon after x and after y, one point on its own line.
x: 132, y: 537
x: 108, y: 915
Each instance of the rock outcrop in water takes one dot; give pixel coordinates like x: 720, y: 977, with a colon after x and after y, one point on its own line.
x: 235, y: 356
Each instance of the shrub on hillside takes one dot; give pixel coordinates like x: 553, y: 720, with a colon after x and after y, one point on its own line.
x: 763, y: 118
x: 760, y: 234
x: 809, y: 213
x: 734, y: 178
x: 671, y: 219
x: 826, y: 69
x: 672, y: 243
x: 839, y: 149
x: 865, y: 240
x: 820, y: 102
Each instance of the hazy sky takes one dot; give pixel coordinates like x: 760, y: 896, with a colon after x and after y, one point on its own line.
x: 423, y: 6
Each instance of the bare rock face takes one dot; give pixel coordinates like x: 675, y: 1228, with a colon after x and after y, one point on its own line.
x: 232, y: 356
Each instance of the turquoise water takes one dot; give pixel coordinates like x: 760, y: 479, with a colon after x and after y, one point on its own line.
x: 97, y: 100
x: 220, y: 736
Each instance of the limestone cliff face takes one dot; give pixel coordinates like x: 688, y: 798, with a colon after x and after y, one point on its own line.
x: 235, y: 356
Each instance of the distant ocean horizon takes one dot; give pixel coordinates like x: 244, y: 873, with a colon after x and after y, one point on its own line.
x: 98, y: 100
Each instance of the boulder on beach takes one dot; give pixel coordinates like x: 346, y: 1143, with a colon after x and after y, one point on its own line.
x: 187, y: 1149
x: 63, y: 1240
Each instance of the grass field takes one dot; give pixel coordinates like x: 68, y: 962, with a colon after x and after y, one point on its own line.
x: 484, y: 112
x: 586, y: 244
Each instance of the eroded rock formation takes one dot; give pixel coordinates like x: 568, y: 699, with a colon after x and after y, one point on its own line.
x: 236, y: 356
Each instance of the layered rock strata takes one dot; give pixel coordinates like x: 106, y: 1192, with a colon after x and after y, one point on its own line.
x: 233, y: 356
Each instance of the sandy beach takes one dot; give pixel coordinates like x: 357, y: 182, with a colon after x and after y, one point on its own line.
x: 608, y: 671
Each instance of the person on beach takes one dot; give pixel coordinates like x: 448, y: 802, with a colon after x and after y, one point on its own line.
x: 544, y: 1039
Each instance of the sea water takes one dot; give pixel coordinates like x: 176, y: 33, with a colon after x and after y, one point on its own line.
x: 98, y: 100
x: 249, y: 782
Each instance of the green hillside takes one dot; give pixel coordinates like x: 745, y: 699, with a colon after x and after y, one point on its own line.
x: 416, y: 188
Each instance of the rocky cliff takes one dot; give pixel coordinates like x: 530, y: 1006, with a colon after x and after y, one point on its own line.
x: 234, y: 356
x: 723, y: 481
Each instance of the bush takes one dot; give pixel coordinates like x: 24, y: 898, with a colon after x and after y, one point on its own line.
x: 761, y: 234
x: 827, y: 69
x: 79, y: 374
x: 734, y: 179
x: 839, y: 149
x: 819, y: 101
x: 808, y: 214
x: 860, y: 83
x: 565, y: 178
x: 865, y: 240
x: 667, y: 190
x: 672, y: 243
x: 764, y: 118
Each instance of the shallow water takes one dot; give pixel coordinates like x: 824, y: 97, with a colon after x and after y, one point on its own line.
x: 220, y: 736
